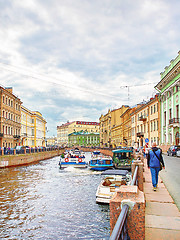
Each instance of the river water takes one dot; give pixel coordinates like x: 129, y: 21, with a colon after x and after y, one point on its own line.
x: 41, y: 201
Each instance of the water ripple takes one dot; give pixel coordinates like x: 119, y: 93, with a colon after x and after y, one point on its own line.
x: 43, y: 202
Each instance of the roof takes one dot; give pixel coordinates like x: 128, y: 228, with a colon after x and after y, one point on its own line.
x: 115, y: 172
x: 121, y: 150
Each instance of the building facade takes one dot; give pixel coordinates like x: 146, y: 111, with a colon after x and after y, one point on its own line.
x: 126, y: 127
x: 10, y: 114
x: 84, y: 138
x: 105, y: 130
x: 62, y: 134
x: 72, y: 127
x: 117, y: 127
x: 51, y: 141
x: 169, y: 88
x: 111, y: 128
x: 145, y: 123
x: 33, y: 128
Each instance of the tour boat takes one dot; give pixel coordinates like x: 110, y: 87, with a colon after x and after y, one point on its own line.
x: 99, y: 162
x: 122, y: 158
x: 113, y: 179
x: 73, y: 159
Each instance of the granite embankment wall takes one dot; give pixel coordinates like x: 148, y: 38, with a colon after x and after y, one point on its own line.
x: 24, y: 159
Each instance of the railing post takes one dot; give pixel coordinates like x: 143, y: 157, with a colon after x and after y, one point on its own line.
x: 140, y: 165
x: 133, y: 197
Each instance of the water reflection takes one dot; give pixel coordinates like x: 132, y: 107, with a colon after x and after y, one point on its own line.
x: 43, y: 202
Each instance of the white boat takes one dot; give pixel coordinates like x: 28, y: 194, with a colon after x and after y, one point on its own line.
x: 73, y: 159
x: 113, y: 179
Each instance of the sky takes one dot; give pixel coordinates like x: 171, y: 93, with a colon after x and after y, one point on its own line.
x: 76, y: 59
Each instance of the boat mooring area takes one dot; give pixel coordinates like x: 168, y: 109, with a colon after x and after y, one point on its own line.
x: 43, y: 199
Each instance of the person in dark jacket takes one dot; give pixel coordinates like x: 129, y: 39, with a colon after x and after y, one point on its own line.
x: 153, y: 161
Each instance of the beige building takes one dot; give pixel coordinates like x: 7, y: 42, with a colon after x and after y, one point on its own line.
x: 33, y: 128
x: 51, y: 141
x: 125, y: 134
x: 111, y: 128
x: 76, y: 126
x: 62, y: 134
x: 117, y: 126
x: 105, y: 130
x: 10, y: 115
x: 145, y: 123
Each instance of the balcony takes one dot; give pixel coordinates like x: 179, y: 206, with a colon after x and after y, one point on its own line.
x: 174, y: 122
x: 16, y: 136
x: 143, y: 118
x: 1, y: 135
x: 140, y: 134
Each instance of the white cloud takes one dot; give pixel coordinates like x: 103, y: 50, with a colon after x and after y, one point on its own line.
x: 69, y: 59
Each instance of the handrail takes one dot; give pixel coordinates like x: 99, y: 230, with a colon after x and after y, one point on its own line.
x: 134, y: 180
x: 120, y: 229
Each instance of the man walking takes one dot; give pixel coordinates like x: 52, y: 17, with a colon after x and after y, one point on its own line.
x: 153, y: 161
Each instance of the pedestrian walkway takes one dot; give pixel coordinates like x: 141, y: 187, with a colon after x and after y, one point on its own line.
x: 162, y: 217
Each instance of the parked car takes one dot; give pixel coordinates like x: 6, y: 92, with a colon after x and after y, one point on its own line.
x: 178, y: 153
x: 173, y: 150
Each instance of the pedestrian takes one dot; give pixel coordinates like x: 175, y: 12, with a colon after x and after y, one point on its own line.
x: 153, y: 161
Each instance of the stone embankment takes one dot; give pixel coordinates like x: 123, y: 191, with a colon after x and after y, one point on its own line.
x: 28, y: 158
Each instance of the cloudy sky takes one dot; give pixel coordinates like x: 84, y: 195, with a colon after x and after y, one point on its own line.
x: 75, y: 59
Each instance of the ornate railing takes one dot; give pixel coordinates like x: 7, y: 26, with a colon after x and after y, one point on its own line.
x: 174, y: 120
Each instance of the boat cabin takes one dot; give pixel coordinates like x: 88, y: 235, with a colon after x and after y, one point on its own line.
x: 123, y: 158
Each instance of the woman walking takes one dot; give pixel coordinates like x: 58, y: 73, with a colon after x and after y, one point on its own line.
x: 153, y: 161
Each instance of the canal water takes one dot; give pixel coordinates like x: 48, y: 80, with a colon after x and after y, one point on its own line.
x: 41, y: 201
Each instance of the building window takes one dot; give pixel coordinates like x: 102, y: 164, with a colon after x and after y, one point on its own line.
x: 170, y: 113
x: 154, y: 126
x: 177, y: 111
x: 165, y: 118
x: 151, y: 109
x: 154, y: 108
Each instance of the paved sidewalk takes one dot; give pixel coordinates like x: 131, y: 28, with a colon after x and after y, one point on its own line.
x: 162, y: 217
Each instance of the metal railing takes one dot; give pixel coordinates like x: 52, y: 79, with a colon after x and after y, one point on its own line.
x: 23, y: 150
x: 134, y: 180
x: 120, y: 228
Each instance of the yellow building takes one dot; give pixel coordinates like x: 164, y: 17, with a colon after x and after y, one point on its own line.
x: 51, y: 141
x: 111, y: 128
x: 105, y: 130
x: 76, y: 126
x: 62, y: 134
x: 10, y: 118
x: 126, y: 127
x: 145, y: 123
x: 117, y: 126
x: 33, y: 128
